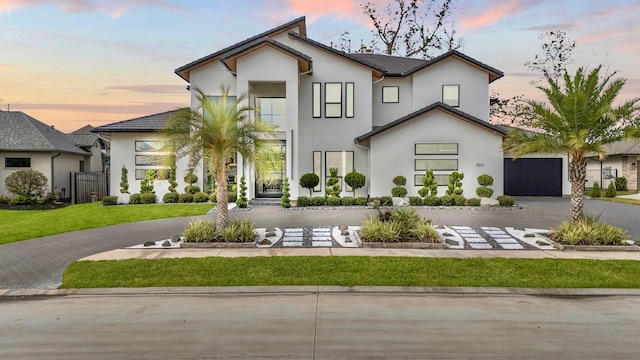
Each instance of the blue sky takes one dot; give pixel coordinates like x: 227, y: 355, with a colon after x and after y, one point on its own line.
x: 72, y: 63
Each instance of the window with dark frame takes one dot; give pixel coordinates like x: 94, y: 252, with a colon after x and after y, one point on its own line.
x: 81, y: 166
x: 341, y: 160
x: 436, y: 149
x: 451, y: 95
x: 159, y: 175
x: 390, y: 94
x: 349, y: 100
x: 17, y: 162
x: 317, y: 169
x: 332, y: 100
x: 440, y: 179
x: 149, y: 146
x: 317, y: 99
x: 436, y: 164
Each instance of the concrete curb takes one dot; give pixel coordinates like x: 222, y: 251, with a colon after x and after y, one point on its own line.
x: 326, y: 290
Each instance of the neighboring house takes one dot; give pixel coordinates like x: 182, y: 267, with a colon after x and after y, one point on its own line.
x: 97, y: 145
x: 136, y: 145
x: 380, y: 115
x: 623, y: 160
x: 26, y: 143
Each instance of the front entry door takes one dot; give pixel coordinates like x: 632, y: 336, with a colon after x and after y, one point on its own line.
x: 273, y: 188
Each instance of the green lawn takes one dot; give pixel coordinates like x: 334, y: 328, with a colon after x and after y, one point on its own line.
x: 619, y: 200
x: 354, y: 271
x: 16, y: 225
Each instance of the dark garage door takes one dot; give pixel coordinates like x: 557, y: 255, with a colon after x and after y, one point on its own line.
x: 533, y: 177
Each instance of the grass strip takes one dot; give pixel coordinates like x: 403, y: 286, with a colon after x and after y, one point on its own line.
x: 17, y: 225
x: 354, y: 271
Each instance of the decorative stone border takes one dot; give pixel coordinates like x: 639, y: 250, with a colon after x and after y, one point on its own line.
x: 598, y: 247
x: 403, y: 245
x: 214, y: 245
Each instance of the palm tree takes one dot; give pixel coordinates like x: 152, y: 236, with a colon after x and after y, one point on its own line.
x: 214, y: 133
x: 579, y: 118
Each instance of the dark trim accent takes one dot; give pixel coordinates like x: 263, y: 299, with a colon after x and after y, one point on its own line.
x: 332, y: 103
x: 346, y: 99
x: 391, y: 102
x: 437, y: 106
x: 415, y: 148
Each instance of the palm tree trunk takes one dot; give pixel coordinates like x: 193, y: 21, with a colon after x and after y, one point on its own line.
x: 577, y: 174
x: 222, y: 196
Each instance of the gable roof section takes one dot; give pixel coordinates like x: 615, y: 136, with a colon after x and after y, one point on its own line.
x: 149, y: 123
x: 230, y: 60
x: 396, y: 66
x: 377, y: 70
x: 624, y: 147
x: 436, y: 106
x: 21, y: 132
x: 184, y: 70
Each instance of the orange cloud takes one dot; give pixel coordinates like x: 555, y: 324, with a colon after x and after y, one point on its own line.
x: 7, y: 67
x: 495, y: 12
x: 318, y: 9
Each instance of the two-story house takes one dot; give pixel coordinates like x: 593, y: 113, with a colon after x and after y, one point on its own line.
x: 382, y: 116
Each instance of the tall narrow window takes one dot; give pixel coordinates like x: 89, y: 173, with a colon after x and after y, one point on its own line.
x: 451, y: 95
x: 390, y: 94
x: 81, y: 165
x: 317, y: 168
x: 348, y: 101
x: 317, y: 100
x: 333, y: 100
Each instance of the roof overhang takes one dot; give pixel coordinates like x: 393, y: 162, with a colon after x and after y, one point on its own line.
x: 231, y: 61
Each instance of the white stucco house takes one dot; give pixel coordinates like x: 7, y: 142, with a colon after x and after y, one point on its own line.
x: 380, y: 115
x: 623, y: 160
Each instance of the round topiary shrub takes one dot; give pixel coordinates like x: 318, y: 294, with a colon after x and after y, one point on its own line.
x: 506, y: 200
x: 148, y: 198
x: 484, y: 192
x: 200, y: 197
x: 185, y: 198
x: 170, y: 198
x: 485, y: 180
x: 135, y: 199
x: 304, y: 201
x: 355, y: 180
x: 309, y: 181
x: 400, y: 180
x: 399, y: 192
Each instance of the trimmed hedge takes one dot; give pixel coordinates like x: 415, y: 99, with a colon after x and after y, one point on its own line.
x: 110, y: 200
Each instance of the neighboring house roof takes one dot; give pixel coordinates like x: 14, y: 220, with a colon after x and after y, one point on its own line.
x: 83, y: 130
x: 299, y: 23
x: 230, y: 59
x: 436, y: 106
x: 396, y: 66
x: 21, y: 132
x: 149, y: 123
x: 83, y: 140
x: 624, y: 147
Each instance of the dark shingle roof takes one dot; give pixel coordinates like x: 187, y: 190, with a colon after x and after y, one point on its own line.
x: 624, y: 147
x: 183, y: 71
x: 229, y: 59
x: 21, y: 132
x: 149, y: 123
x: 436, y: 106
x: 83, y: 140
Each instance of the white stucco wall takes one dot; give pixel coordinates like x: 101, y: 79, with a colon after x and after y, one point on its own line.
x: 384, y: 113
x: 392, y: 153
x: 474, y: 86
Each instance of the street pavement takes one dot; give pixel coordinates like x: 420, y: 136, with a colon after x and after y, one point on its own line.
x: 39, y: 263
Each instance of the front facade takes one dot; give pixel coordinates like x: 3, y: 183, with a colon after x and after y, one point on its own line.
x: 382, y: 116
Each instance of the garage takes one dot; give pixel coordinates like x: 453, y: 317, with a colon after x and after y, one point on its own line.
x: 533, y: 177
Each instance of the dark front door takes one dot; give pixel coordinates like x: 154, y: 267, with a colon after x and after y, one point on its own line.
x: 273, y: 187
x: 533, y: 177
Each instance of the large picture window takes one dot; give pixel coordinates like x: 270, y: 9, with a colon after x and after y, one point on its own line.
x: 17, y: 162
x: 451, y: 95
x: 436, y: 164
x: 273, y: 111
x: 436, y: 149
x: 341, y: 160
x: 333, y: 100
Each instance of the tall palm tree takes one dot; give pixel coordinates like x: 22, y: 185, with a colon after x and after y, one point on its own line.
x: 214, y: 133
x: 579, y: 118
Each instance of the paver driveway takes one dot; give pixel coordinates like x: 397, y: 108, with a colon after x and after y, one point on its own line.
x: 39, y: 263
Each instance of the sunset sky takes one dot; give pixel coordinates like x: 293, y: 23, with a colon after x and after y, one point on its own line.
x: 79, y: 62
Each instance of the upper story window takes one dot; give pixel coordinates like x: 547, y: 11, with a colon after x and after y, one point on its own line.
x: 14, y: 162
x: 273, y: 111
x: 149, y: 146
x: 390, y: 94
x: 349, y: 99
x: 333, y: 100
x: 316, y: 91
x: 451, y: 95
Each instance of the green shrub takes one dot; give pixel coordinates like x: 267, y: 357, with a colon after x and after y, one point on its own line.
x: 148, y: 198
x: 4, y: 200
x: 20, y: 200
x: 621, y: 183
x: 110, y: 200
x: 429, y: 185
x: 201, y: 230
x: 309, y: 181
x: 135, y: 199
x: 360, y: 201
x: 484, y: 191
x: 485, y: 180
x: 611, y: 191
x: 588, y: 232
x: 334, y: 201
x: 333, y: 187
x: 400, y: 180
x: 191, y: 178
x: 455, y: 184
x: 415, y: 200
x: 407, y: 218
x: 399, y: 190
x: 347, y: 201
x: 173, y: 184
x: 423, y: 231
x: 473, y: 202
x: 240, y: 230
x: 242, y: 201
x: 284, y: 200
x: 200, y: 197
x: 355, y: 180
x: 374, y: 230
x: 385, y: 201
x: 124, y: 181
x: 459, y: 200
x: 192, y: 189
x: 232, y: 197
x: 171, y: 198
x: 304, y: 201
x: 506, y: 200
x: 432, y: 201
x: 212, y: 197
x: 595, y: 190
x: 185, y: 198
x: 146, y: 184
x: 447, y: 200
x: 318, y: 201
x: 29, y: 183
